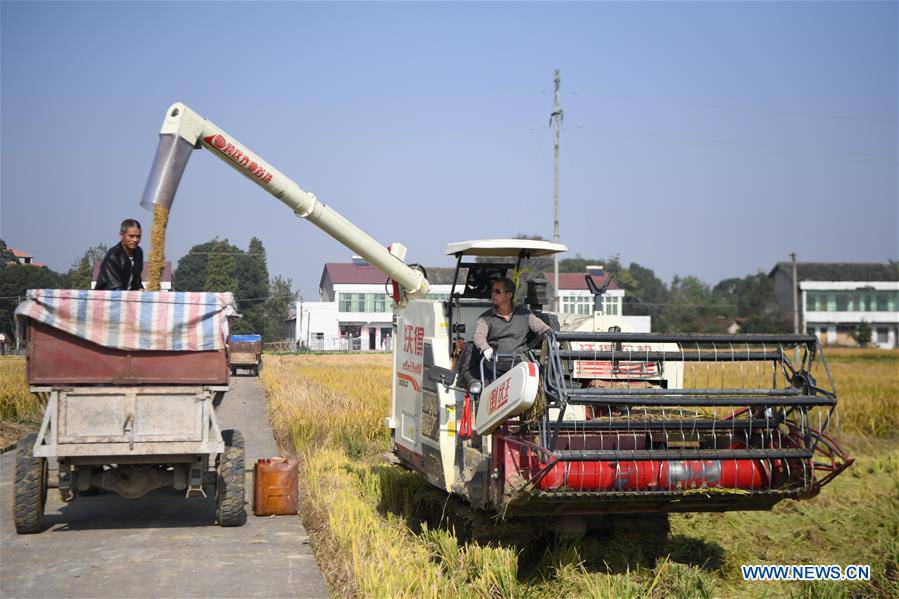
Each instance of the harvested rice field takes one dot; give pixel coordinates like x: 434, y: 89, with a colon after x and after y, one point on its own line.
x: 329, y: 411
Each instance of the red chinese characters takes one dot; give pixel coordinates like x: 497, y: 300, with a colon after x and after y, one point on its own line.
x: 413, y: 340
x: 244, y: 161
x: 499, y: 397
x: 408, y: 339
x: 419, y: 340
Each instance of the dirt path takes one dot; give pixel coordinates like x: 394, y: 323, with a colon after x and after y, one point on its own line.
x: 161, y: 545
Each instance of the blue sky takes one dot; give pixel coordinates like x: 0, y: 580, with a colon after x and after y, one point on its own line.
x: 699, y: 138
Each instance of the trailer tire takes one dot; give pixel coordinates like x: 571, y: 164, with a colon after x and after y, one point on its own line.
x: 231, y: 481
x: 30, y: 488
x: 233, y: 371
x: 257, y: 369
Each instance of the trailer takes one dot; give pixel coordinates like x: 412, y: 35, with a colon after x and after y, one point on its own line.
x: 131, y: 381
x: 245, y: 352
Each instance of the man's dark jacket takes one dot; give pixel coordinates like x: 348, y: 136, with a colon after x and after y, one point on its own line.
x: 116, y: 269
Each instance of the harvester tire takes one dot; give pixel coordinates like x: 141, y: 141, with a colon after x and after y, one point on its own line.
x: 231, y: 481
x: 30, y: 488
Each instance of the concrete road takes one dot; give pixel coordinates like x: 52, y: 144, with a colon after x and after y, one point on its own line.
x: 161, y: 545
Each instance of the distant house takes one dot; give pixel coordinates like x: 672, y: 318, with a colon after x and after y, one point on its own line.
x: 575, y: 297
x: 836, y: 297
x: 355, y: 311
x: 25, y: 257
x: 165, y: 282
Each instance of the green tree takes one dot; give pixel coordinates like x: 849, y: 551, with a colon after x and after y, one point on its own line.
x: 277, y: 308
x: 752, y: 299
x: 81, y: 273
x: 645, y: 295
x: 220, y: 273
x: 253, y: 287
x: 15, y: 279
x: 219, y: 266
x: 690, y: 309
x: 190, y: 274
x: 862, y: 333
x: 6, y: 255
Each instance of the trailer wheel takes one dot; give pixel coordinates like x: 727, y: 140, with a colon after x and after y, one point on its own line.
x: 233, y: 371
x: 231, y: 481
x: 257, y: 369
x: 30, y: 488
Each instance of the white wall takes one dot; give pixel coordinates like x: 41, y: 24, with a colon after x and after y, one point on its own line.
x: 316, y: 317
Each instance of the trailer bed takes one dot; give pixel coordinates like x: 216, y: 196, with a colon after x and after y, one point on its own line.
x: 58, y: 358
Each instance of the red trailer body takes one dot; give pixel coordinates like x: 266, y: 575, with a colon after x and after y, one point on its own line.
x: 57, y: 358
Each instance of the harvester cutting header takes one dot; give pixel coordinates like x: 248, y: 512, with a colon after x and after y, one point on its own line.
x: 591, y: 423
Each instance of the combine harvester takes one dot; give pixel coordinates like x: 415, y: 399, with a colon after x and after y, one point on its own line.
x: 595, y: 428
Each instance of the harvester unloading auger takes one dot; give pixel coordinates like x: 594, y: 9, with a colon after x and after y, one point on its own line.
x: 595, y: 427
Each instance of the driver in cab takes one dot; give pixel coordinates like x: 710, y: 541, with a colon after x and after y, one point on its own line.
x: 502, y: 331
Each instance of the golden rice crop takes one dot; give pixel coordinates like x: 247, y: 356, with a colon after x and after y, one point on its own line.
x: 331, y: 410
x: 17, y: 404
x: 329, y: 399
x: 866, y: 383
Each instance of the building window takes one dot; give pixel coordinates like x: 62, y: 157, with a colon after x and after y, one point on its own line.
x: 611, y: 305
x: 852, y: 301
x: 842, y: 302
x: 887, y: 301
x: 883, y: 335
x: 577, y: 304
x: 362, y: 302
x: 583, y: 305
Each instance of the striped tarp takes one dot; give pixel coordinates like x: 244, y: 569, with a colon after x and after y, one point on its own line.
x: 135, y: 320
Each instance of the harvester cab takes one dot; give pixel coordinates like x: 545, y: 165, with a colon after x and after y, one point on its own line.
x: 436, y: 368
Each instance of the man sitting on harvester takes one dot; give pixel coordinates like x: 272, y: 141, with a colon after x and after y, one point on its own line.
x: 502, y: 331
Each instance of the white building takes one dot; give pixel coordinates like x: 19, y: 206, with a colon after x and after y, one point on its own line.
x: 833, y: 310
x: 575, y: 297
x: 355, y: 310
x: 835, y: 298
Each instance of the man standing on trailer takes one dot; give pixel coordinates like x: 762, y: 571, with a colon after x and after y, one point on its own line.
x: 124, y: 262
x: 504, y: 328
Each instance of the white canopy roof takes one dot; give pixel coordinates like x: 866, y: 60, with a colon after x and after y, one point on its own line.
x: 504, y: 247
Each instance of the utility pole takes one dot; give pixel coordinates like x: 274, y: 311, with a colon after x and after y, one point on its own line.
x: 556, y: 119
x: 795, y: 305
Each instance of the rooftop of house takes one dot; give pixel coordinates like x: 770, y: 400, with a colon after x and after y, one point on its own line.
x: 575, y: 281
x: 839, y: 271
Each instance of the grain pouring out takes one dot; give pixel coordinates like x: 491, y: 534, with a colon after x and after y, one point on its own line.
x: 157, y: 246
